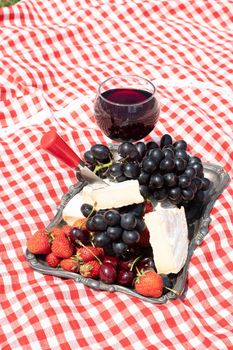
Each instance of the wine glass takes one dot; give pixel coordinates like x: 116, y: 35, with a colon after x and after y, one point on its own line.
x: 126, y: 107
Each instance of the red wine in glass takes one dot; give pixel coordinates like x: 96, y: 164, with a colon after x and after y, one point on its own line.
x: 126, y: 108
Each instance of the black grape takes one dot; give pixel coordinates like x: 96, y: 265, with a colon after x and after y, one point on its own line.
x: 112, y: 217
x: 99, y: 223
x: 101, y: 239
x: 144, y: 190
x: 156, y: 181
x: 89, y: 158
x: 170, y: 179
x: 143, y: 178
x: 199, y: 169
x: 100, y: 152
x: 89, y: 224
x: 157, y: 155
x: 87, y: 210
x: 149, y: 165
x: 141, y: 148
x: 198, y: 182
x: 151, y: 145
x: 168, y: 153
x: 205, y: 183
x: 137, y: 209
x: 193, y: 186
x: 187, y: 193
x: 180, y: 164
x: 114, y: 232
x: 166, y: 139
x: 128, y: 150
x: 167, y: 165
x: 180, y: 153
x: 140, y: 226
x: 119, y: 247
x: 128, y: 221
x: 180, y: 144
x: 115, y: 170
x: 131, y: 170
x: 174, y: 193
x: 130, y: 236
x: 194, y: 159
x: 184, y: 181
x: 191, y: 172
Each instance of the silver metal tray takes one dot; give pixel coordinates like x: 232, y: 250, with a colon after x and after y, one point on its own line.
x: 198, y: 222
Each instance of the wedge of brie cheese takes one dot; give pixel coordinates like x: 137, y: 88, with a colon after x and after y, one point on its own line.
x: 168, y: 238
x: 116, y: 195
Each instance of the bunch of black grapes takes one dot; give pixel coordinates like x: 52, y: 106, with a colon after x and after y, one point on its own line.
x: 116, y: 230
x: 165, y: 171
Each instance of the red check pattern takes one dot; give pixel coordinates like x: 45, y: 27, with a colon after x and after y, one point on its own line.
x: 53, y: 56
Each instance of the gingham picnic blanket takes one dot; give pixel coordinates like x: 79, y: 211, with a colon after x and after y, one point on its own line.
x: 53, y: 56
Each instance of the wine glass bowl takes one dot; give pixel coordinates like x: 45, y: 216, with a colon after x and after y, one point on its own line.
x: 126, y: 107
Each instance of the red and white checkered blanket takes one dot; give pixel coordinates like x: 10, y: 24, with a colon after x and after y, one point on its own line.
x: 53, y: 56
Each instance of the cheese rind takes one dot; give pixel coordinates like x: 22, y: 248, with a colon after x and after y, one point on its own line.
x: 168, y: 238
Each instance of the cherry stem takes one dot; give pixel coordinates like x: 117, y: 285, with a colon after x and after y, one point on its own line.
x: 172, y: 290
x: 83, y: 245
x: 138, y: 271
x: 134, y: 262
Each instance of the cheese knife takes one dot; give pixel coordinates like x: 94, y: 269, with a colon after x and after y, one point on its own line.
x: 55, y: 145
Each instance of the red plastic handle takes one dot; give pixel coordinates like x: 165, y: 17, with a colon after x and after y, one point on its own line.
x: 55, y: 145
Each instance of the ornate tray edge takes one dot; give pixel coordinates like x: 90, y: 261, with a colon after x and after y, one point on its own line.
x: 98, y: 285
x: 206, y: 219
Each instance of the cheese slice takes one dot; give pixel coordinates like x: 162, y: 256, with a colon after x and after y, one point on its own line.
x: 72, y: 211
x: 116, y: 195
x: 168, y: 238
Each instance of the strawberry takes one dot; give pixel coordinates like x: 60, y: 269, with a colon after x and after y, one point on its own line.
x: 70, y: 264
x: 52, y: 260
x: 58, y: 231
x: 149, y: 283
x: 90, y: 269
x: 66, y: 230
x: 62, y: 247
x: 55, y: 232
x: 81, y: 223
x: 144, y: 240
x: 39, y: 243
x: 87, y: 253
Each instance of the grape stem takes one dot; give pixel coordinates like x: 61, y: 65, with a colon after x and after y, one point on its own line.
x: 101, y: 166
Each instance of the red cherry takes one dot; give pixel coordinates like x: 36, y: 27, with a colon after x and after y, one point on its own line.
x: 126, y: 264
x: 78, y: 234
x: 107, y: 273
x: 125, y: 278
x: 111, y: 260
x: 145, y: 263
